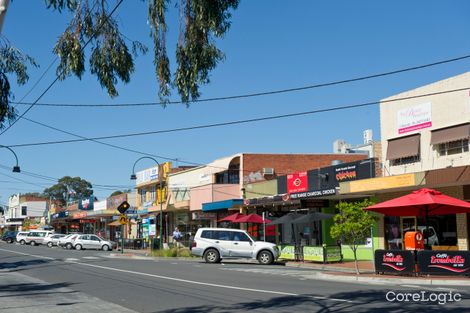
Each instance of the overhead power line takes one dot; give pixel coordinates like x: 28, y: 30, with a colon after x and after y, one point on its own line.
x: 58, y: 75
x: 257, y: 94
x: 253, y: 120
x: 55, y: 180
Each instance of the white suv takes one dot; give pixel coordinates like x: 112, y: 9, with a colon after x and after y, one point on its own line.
x: 215, y: 244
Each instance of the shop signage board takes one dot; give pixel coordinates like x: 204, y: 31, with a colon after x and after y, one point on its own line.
x: 313, y: 254
x: 297, y: 182
x: 333, y: 254
x: 313, y: 193
x: 414, y: 118
x: 287, y: 252
x: 80, y: 215
x: 203, y: 215
x: 380, y: 183
x: 394, y: 261
x: 325, y: 181
x: 86, y: 204
x: 444, y: 262
x: 152, y: 229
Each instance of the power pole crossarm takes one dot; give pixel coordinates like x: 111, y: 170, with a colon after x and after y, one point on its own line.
x: 3, y: 11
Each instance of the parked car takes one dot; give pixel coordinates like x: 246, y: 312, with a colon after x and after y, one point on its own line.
x: 9, y: 236
x: 215, y: 244
x: 36, y: 237
x: 21, y: 236
x: 92, y: 242
x: 67, y: 241
x: 52, y: 239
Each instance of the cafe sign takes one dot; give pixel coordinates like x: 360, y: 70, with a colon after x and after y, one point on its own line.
x: 394, y: 261
x: 444, y: 262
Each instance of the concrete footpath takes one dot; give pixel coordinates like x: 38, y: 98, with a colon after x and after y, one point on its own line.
x: 20, y: 293
x: 338, y: 272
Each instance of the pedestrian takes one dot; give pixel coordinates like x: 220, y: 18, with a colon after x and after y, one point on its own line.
x: 176, y: 236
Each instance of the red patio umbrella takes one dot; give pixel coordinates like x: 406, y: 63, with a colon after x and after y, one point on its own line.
x: 232, y: 218
x: 422, y: 202
x: 252, y: 218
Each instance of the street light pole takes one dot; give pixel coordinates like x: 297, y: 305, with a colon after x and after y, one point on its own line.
x: 16, y: 168
x: 134, y: 177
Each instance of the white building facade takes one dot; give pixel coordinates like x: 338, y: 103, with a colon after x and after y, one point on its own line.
x: 421, y: 133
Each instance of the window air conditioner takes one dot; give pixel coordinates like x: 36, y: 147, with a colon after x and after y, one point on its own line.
x: 268, y: 171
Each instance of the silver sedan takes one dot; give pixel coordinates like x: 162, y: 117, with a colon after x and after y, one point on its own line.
x: 92, y: 242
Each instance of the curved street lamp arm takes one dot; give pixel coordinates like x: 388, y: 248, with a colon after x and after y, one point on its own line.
x: 144, y: 157
x: 16, y: 157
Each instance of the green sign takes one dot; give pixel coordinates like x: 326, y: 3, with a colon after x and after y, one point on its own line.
x: 313, y: 254
x: 333, y: 254
x: 287, y: 252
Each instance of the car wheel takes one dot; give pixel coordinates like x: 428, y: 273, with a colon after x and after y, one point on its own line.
x: 9, y: 240
x: 68, y: 246
x: 33, y: 243
x: 49, y: 244
x: 78, y: 247
x: 212, y: 256
x: 22, y: 242
x: 105, y: 248
x: 265, y: 257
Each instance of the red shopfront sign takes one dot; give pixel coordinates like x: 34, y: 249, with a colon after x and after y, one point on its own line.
x: 83, y: 221
x: 79, y: 215
x: 297, y: 182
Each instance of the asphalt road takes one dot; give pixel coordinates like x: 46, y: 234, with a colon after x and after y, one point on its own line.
x: 169, y: 285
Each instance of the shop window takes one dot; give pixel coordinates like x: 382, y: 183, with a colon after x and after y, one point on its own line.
x: 453, y: 147
x: 405, y: 160
x: 440, y: 230
x: 142, y: 196
x: 230, y: 176
x: 152, y: 196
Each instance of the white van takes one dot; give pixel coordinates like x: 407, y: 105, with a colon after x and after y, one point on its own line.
x: 21, y: 236
x: 36, y: 237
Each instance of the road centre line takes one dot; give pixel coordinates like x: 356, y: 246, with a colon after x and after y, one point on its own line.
x: 186, y: 280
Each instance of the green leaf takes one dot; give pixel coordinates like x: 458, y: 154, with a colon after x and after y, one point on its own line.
x: 12, y: 61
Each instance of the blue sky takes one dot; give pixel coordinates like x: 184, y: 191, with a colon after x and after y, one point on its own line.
x: 271, y: 45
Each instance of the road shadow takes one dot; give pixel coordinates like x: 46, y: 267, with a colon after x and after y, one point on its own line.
x: 31, y: 287
x: 363, y: 301
x: 21, y: 264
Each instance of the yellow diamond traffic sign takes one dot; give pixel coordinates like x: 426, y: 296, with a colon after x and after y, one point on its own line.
x: 123, y: 219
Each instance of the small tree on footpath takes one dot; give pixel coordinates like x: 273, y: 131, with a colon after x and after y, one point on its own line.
x: 352, y: 225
